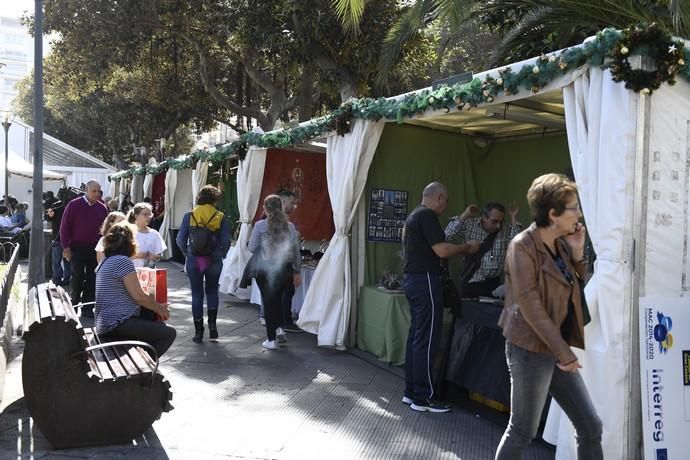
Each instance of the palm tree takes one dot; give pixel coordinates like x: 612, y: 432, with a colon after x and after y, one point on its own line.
x: 537, y: 26
x: 527, y: 27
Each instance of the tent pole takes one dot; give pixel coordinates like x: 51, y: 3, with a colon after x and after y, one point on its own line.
x: 634, y: 443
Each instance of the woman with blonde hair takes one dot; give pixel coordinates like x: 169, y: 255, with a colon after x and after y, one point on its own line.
x: 150, y: 244
x: 275, y: 246
x: 543, y: 316
x: 110, y: 220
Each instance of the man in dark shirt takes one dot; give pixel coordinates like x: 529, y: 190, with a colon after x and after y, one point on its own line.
x: 61, y: 268
x: 424, y: 244
x: 79, y: 234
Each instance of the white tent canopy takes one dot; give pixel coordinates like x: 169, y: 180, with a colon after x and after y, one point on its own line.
x: 20, y: 178
x: 604, y: 123
x: 20, y: 167
x: 630, y: 157
x: 76, y: 166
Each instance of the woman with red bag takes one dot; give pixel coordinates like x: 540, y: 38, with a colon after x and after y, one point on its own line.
x: 119, y: 296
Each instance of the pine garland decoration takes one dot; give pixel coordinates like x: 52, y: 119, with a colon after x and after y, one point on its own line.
x: 610, y: 49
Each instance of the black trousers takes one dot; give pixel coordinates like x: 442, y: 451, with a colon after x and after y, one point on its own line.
x: 155, y: 333
x: 286, y: 300
x: 83, y: 280
x: 425, y: 295
x: 272, y: 285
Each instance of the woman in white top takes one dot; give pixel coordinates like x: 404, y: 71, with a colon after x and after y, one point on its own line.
x: 150, y: 244
x: 110, y: 220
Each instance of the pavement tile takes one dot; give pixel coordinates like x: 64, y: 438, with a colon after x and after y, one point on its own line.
x: 234, y: 399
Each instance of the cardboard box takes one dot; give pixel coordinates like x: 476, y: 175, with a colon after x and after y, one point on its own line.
x: 154, y: 281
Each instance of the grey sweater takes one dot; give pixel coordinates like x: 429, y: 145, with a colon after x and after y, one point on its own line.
x: 286, y: 252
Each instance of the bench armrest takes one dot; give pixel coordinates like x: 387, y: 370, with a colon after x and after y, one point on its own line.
x: 124, y: 342
x: 82, y: 304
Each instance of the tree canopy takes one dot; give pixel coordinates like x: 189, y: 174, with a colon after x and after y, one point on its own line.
x: 125, y: 73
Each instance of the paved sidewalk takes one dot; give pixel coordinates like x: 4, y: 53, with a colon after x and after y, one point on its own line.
x: 234, y: 399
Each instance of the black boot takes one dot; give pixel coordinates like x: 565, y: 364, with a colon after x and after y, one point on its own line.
x: 198, y: 331
x: 212, y: 330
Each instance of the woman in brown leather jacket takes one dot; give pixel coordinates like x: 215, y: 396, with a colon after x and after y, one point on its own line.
x: 543, y: 317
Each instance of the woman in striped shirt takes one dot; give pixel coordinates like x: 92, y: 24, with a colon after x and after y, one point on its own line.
x: 119, y: 296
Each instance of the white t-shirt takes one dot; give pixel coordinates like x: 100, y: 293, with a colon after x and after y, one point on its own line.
x: 99, y: 245
x: 150, y: 241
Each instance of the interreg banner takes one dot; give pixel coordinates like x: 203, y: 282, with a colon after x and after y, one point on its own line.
x: 665, y: 376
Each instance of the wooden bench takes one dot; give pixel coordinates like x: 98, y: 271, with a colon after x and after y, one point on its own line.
x: 81, y: 391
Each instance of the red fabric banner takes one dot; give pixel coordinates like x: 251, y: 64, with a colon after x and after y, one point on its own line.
x: 303, y: 173
x: 158, y: 193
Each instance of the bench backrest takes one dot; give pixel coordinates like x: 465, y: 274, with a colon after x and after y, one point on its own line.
x: 53, y: 328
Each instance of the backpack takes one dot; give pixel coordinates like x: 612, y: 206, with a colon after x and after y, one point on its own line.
x: 201, y: 239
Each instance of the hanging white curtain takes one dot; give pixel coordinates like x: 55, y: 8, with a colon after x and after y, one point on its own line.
x: 169, y: 197
x: 124, y: 189
x: 600, y: 120
x: 250, y: 176
x: 114, y: 188
x: 199, y: 176
x: 136, y: 191
x: 326, y: 309
x: 111, y: 189
x: 148, y: 180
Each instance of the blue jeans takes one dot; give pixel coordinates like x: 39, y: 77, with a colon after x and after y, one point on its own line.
x: 532, y: 377
x: 201, y: 283
x: 60, y: 275
x: 425, y: 296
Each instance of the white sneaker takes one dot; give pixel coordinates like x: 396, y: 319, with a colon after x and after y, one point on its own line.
x: 270, y: 345
x: 262, y: 320
x: 280, y: 335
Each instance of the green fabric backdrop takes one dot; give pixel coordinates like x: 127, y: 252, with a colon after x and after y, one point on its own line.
x: 409, y: 157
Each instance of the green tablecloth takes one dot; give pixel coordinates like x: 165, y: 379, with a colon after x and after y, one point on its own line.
x: 383, y: 322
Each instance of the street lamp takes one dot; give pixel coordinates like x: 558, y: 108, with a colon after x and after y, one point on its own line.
x: 6, y: 123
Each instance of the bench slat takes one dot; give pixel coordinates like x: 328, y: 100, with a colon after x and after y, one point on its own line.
x: 126, y: 361
x: 44, y: 304
x: 136, y: 353
x: 118, y: 357
x: 32, y: 314
x: 99, y: 357
x: 56, y: 301
x: 112, y: 357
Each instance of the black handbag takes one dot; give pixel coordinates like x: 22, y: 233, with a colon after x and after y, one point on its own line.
x: 586, y: 316
x: 451, y: 297
x: 251, y: 270
x: 451, y: 294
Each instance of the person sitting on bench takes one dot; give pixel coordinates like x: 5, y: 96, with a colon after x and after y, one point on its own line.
x: 119, y: 296
x: 19, y: 216
x: 6, y: 225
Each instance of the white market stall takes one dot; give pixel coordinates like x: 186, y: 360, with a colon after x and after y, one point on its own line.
x: 76, y: 166
x: 182, y: 184
x: 629, y: 151
x: 20, y: 178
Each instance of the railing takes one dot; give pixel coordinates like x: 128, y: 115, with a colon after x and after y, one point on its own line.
x: 9, y: 260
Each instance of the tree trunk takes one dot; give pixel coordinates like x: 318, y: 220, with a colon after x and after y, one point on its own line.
x: 306, y: 97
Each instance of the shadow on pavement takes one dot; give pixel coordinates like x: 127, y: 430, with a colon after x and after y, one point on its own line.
x: 17, y: 430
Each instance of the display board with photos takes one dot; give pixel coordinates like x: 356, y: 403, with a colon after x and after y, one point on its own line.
x: 387, y: 214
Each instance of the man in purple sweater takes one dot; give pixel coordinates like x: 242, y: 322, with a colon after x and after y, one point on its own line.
x: 79, y: 234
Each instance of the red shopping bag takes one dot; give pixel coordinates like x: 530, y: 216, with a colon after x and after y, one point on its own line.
x: 154, y: 281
